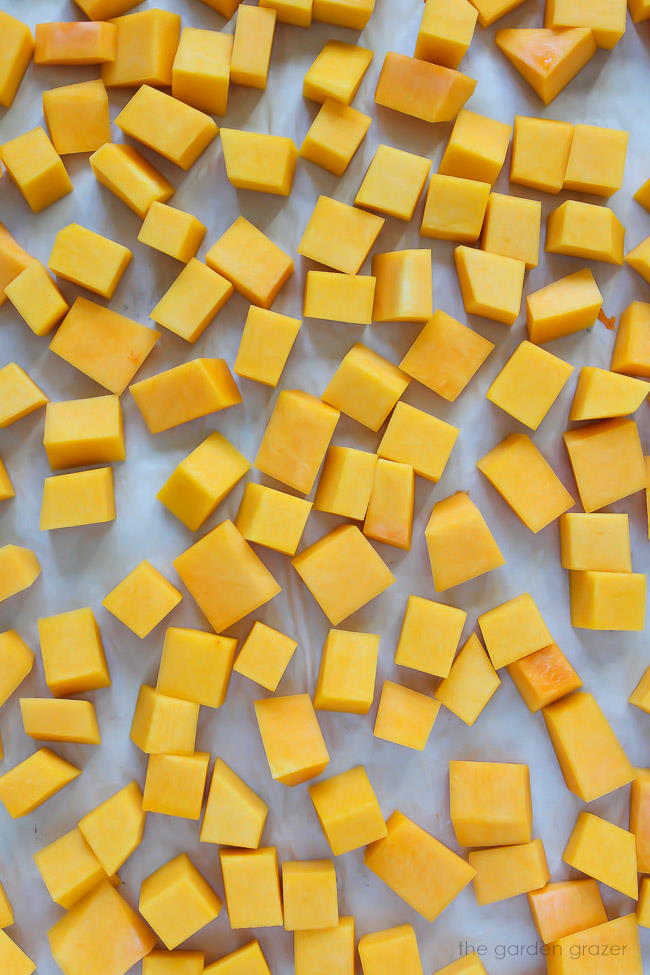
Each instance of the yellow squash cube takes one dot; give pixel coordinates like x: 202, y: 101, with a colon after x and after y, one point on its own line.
x: 33, y: 781
x: 596, y: 161
x: 338, y: 235
x: 491, y: 285
x: 334, y: 945
x: 606, y: 20
x: 254, y: 161
x: 234, y: 814
x: 631, y: 352
x: 192, y: 301
x: 256, y: 266
x: 423, y: 90
x: 52, y: 719
x: 77, y: 117
x: 104, y: 9
x: 226, y: 8
x: 334, y: 136
x: 506, y: 871
x: 639, y: 259
x: 563, y: 908
x: 346, y: 678
x: 177, y: 901
x: 402, y: 286
x: 297, y: 12
x: 563, y: 307
x: 196, y: 666
x: 429, y: 636
x: 296, y: 439
x: 596, y: 541
x: 171, y: 128
x: 6, y: 487
x: 417, y: 867
x: 272, y: 518
x: 512, y: 228
x: 171, y: 231
x: 640, y: 817
x: 198, y: 485
x: 16, y: 662
x: 389, y: 517
x: 146, y: 44
x: 476, y: 149
x: 365, y: 386
x: 393, y: 182
x: 265, y: 345
x: 13, y: 260
x: 293, y: 741
x: 471, y: 683
x: 544, y: 677
x: 248, y: 960
x: 454, y: 208
x: 309, y: 894
x: 603, y: 394
x: 18, y: 46
x: 643, y: 906
x: 525, y: 481
x: 173, y: 963
x: 19, y: 394
x: 642, y: 195
x: 446, y: 31
x: 591, y: 449
x: 265, y: 655
x: 80, y: 432
x: 201, y: 70
x: 608, y: 600
x: 546, y: 58
x: 337, y: 297
x: 19, y: 569
x: 37, y: 299
x: 69, y: 868
x: 75, y: 43
x: 346, y: 482
x: 613, y: 941
x: 419, y: 439
x: 605, y: 852
x: 252, y: 885
x: 488, y: 12
x: 405, y: 717
x: 639, y: 10
x: 354, y: 14
x: 337, y: 72
x: 164, y: 725
x: 131, y: 177
x: 142, y: 599
x: 445, y: 356
x: 89, y: 260
x: 252, y: 45
x: 459, y: 542
x: 348, y: 810
x: 490, y: 803
x: 175, y: 784
x: 513, y: 630
x: 529, y: 383
x: 37, y: 169
x: 390, y: 950
x: 585, y: 230
x: 640, y: 696
x: 73, y: 653
x: 540, y: 153
x: 186, y: 392
x: 82, y: 498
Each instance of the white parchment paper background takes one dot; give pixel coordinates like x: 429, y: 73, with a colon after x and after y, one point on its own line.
x: 81, y: 565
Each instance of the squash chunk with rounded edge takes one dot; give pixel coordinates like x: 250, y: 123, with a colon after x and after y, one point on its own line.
x: 402, y: 286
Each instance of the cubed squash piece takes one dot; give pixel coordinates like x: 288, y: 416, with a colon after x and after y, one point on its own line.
x: 640, y: 696
x: 173, y: 963
x: 296, y: 439
x: 19, y: 569
x: 69, y: 868
x: 348, y: 810
x: 640, y: 817
x: 265, y: 345
x: 365, y: 386
x: 563, y: 307
x: 248, y: 960
x: 566, y: 907
x: 345, y: 482
x: 333, y: 946
x: 607, y: 461
x: 293, y: 741
x: 490, y: 803
x: 338, y: 235
x: 104, y: 9
x: 512, y: 228
x: 476, y: 148
x: 265, y: 655
x: 337, y: 72
x: 390, y: 950
x: 82, y: 498
x: 471, y: 683
x: 255, y: 161
x: 402, y: 286
x: 13, y: 260
x: 423, y: 90
x: 540, y: 153
x: 175, y: 784
x: 146, y: 44
x: 445, y: 356
x: 338, y: 297
x: 252, y: 45
x: 226, y: 8
x: 234, y: 814
x: 130, y: 177
x: 256, y: 266
x: 529, y: 384
x: 459, y: 542
x: 608, y: 600
x: 89, y: 260
x: 639, y: 259
x: 201, y: 70
x: 73, y: 653
x: 404, y: 716
x: 507, y: 871
x: 429, y: 636
x: 631, y: 352
x: 446, y: 31
x: 272, y: 518
x: 544, y: 677
x: 77, y: 117
x: 75, y: 43
x: 80, y: 432
x: 164, y: 725
x: 470, y: 963
x: 596, y: 541
x: 346, y: 678
x: 196, y: 666
x: 309, y: 894
x: 33, y: 781
x: 171, y: 128
x: 18, y: 46
x: 389, y: 517
x: 37, y: 169
x: 513, y: 630
x: 642, y: 195
x: 142, y: 599
x: 171, y: 231
x: 597, y: 159
x: 54, y: 719
x: 16, y: 662
x: 610, y: 943
x: 603, y: 394
x: 354, y: 14
x: 491, y: 10
x: 186, y: 392
x: 6, y: 487
x: 454, y: 208
x: 491, y: 285
x: 548, y: 59
x: 252, y: 885
x: 606, y: 20
x: 586, y: 230
x: 37, y: 299
x: 19, y: 394
x: 605, y: 852
x: 334, y: 136
x: 192, y: 301
x: 393, y: 182
x: 177, y: 901
x: 297, y: 12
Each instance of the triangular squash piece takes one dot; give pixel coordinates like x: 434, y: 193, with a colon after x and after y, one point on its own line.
x: 639, y: 259
x: 547, y: 59
x: 601, y: 394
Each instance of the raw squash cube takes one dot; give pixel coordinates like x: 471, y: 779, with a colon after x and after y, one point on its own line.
x: 18, y: 46
x: 293, y: 741
x: 642, y: 195
x: 419, y: 439
x: 130, y: 176
x: 334, y: 136
x: 173, y: 963
x: 75, y: 43
x: 336, y: 944
x: 429, y: 636
x: 265, y: 345
x: 171, y: 128
x: 389, y: 517
x: 348, y: 810
x: 354, y: 14
x: 476, y: 148
x: 265, y: 655
x: 608, y: 600
x: 89, y: 260
x: 226, y: 8
x: 491, y: 285
x: 73, y: 653
x: 513, y: 630
x: 446, y: 31
x: 146, y: 45
x: 337, y: 72
x: 607, y: 461
x: 402, y: 286
x: 606, y: 20
x: 82, y: 498
x: 309, y: 894
x: 186, y: 392
x: 546, y: 58
x: 459, y: 542
x: 491, y: 10
x: 339, y: 297
x: 365, y: 386
x: 603, y: 394
x: 631, y: 352
x: 248, y: 959
x: 234, y: 814
x: 585, y: 230
x: 83, y: 432
x: 423, y: 90
x: 390, y: 950
x: 507, y: 871
x: 255, y: 265
x: 171, y: 231
x: 6, y: 487
x: 417, y: 867
x: 339, y: 236
x: 596, y: 541
x: 77, y: 117
x: 266, y: 163
x: 564, y: 908
x: 164, y: 725
x: 446, y: 355
x: 69, y: 868
x: 16, y: 662
x: 33, y: 781
x: 37, y: 299
x: 346, y: 482
x: 639, y: 259
x: 272, y: 518
x: 563, y: 307
x: 13, y: 260
x: 201, y: 70
x: 52, y: 719
x: 177, y: 901
x: 297, y: 12
x: 597, y: 160
x: 192, y: 301
x: 639, y: 10
x: 605, y: 852
x: 343, y: 572
x: 643, y: 906
x: 252, y: 45
x: 196, y: 666
x: 348, y: 666
x: 393, y: 182
x: 175, y: 784
x: 405, y: 717
x: 104, y: 9
x: 470, y: 963
x: 529, y: 383
x: 512, y: 228
x: 524, y: 479
x: 540, y: 153
x: 490, y: 803
x: 640, y: 696
x: 296, y: 439
x: 640, y: 817
x: 142, y: 599
x: 544, y: 677
x: 610, y: 941
x: 471, y: 683
x: 454, y: 208
x: 36, y: 168
x: 19, y: 569
x: 19, y: 394
x: 252, y: 885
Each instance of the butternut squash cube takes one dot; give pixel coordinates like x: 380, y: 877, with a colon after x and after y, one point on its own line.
x: 177, y: 901
x: 37, y: 169
x: 13, y: 260
x: 346, y: 482
x: 476, y: 148
x: 429, y: 636
x: 402, y: 286
x: 642, y: 195
x: 445, y: 356
x: 69, y: 868
x: 607, y: 461
x: 18, y: 46
x: 334, y: 136
x: 597, y: 159
x: 225, y: 576
x: 365, y: 386
x: 173, y: 963
x: 171, y: 128
x: 164, y: 725
x: 265, y: 345
x: 198, y: 485
x: 459, y: 542
x: 588, y: 752
x: 77, y: 117
x: 417, y: 867
x: 446, y: 31
x: 105, y: 9
x: 606, y: 20
x: 16, y: 662
x: 82, y: 498
x: 75, y: 43
x: 73, y: 653
x: 513, y: 630
x: 608, y: 600
x: 491, y: 285
x: 192, y: 301
x: 130, y: 177
x: 615, y: 944
x: 144, y: 54
x: 293, y: 741
x: 529, y: 384
x: 470, y: 963
x: 631, y: 352
x: 335, y: 946
x: 348, y: 810
x: 423, y: 90
x: 337, y: 72
x: 196, y: 666
x: 354, y: 14
x: 266, y: 163
x: 605, y: 852
x: 419, y: 439
x: 389, y: 517
x: 171, y: 231
x: 248, y: 960
x: 548, y: 59
x: 297, y: 12
x: 142, y: 599
x: 102, y: 934
x: 640, y: 696
x: 339, y: 297
x: 37, y: 299
x: 265, y: 655
x: 544, y: 677
x: 6, y: 487
x: 639, y: 259
x: 563, y: 307
x: 255, y: 265
x: 639, y: 10
x: 643, y: 906
x: 252, y: 885
x: 19, y: 569
x: 471, y: 683
x: 601, y: 393
x: 393, y: 182
x: 565, y: 908
x: 390, y: 950
x: 512, y: 228
x: 596, y: 541
x: 234, y: 814
x: 89, y: 260
x: 33, y: 781
x: 252, y: 45
x: 507, y: 871
x: 405, y: 717
x: 343, y: 572
x: 226, y: 8
x: 272, y: 518
x: 296, y: 439
x: 490, y: 803
x: 183, y: 393
x: 201, y: 70
x: 585, y: 230
x: 454, y: 208
x: 52, y: 719
x: 640, y: 816
x: 175, y: 784
x: 348, y: 666
x: 339, y: 236
x: 80, y: 432
x: 491, y: 10
x: 525, y: 481
x: 540, y: 153
x: 309, y: 894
